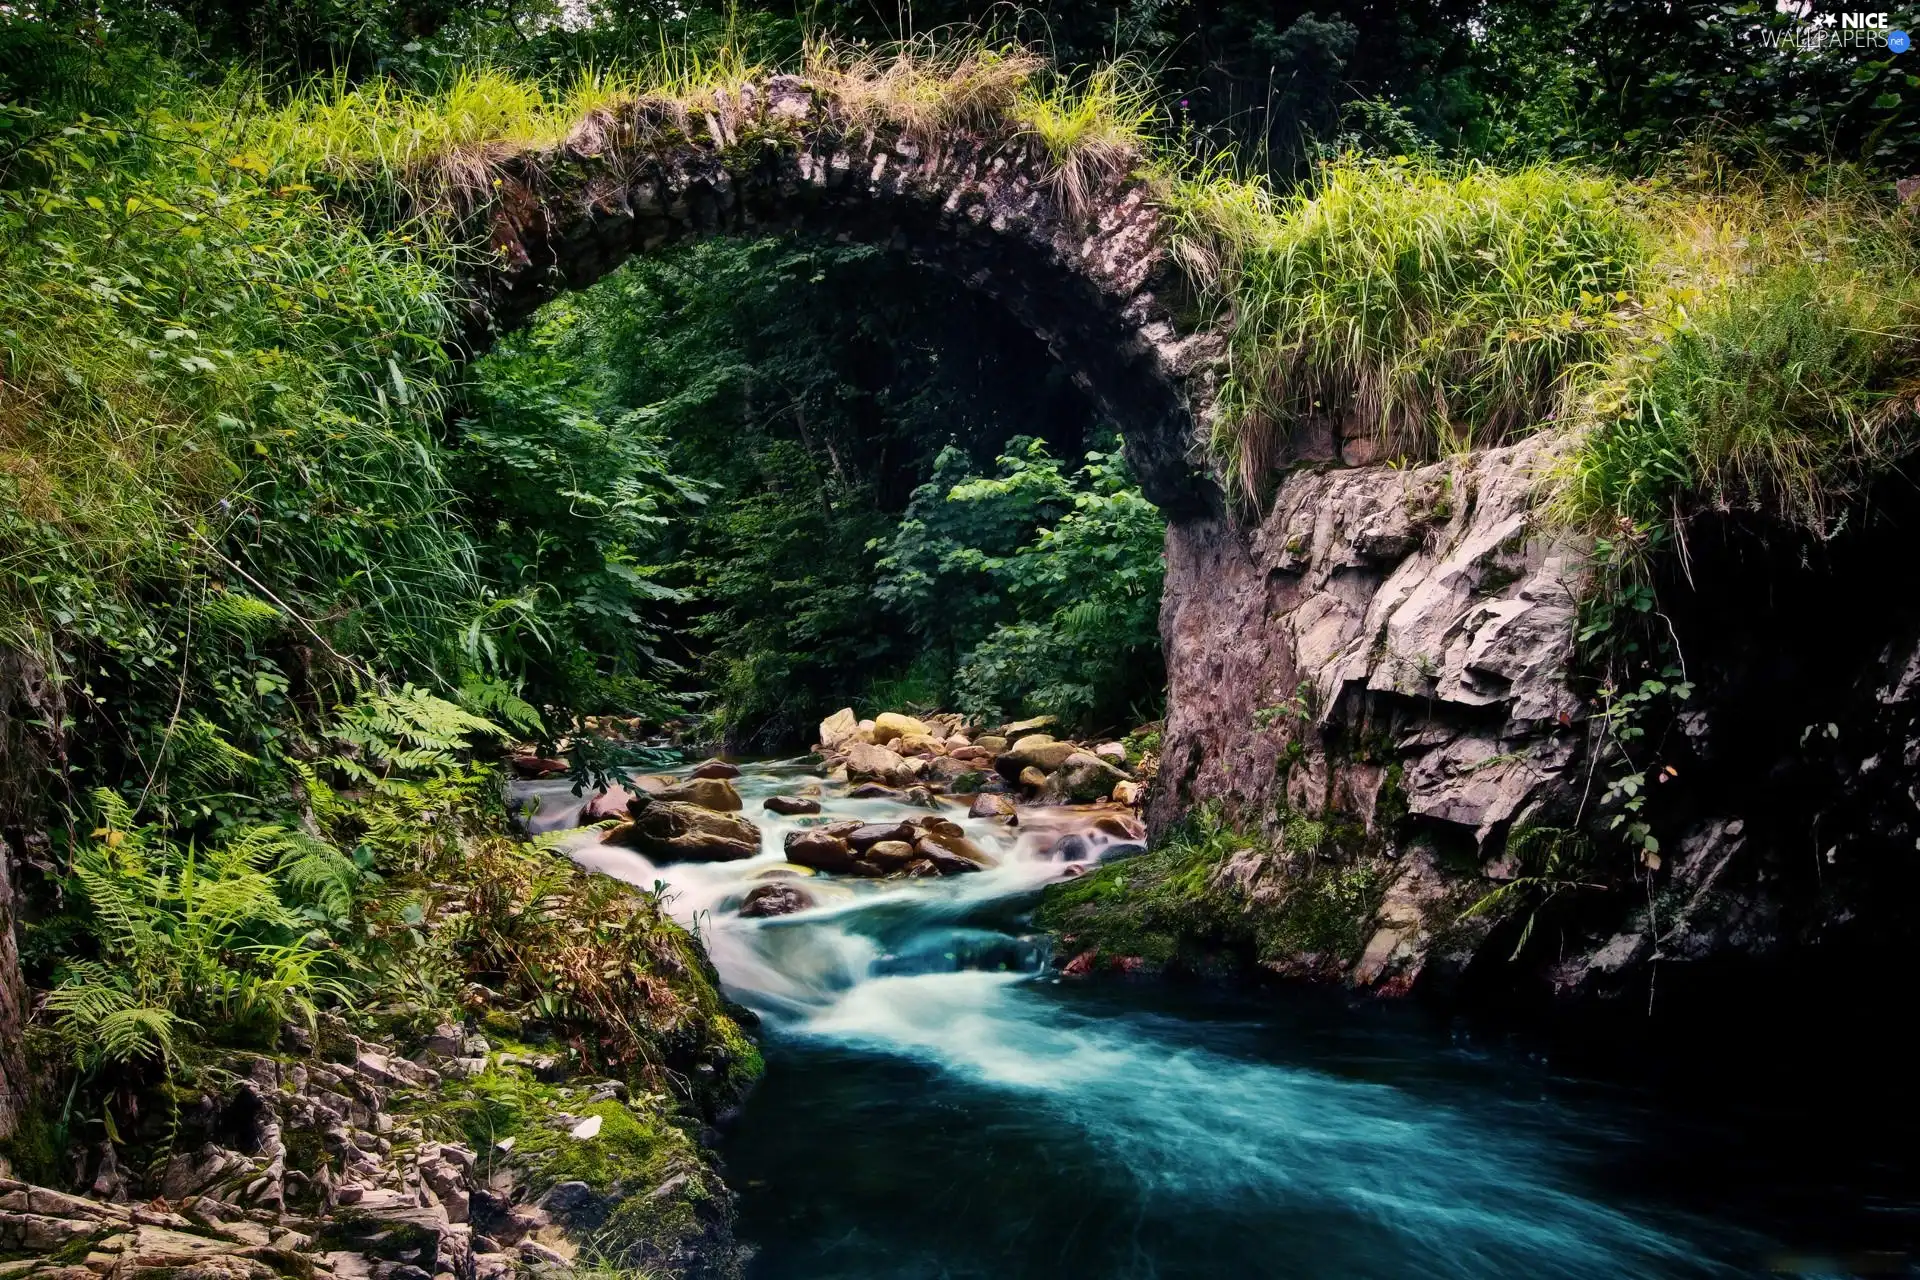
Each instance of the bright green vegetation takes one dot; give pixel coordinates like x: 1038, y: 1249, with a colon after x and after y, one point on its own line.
x: 1181, y: 906
x: 1707, y: 342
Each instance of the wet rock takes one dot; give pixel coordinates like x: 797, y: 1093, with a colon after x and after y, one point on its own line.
x: 709, y: 793
x: 874, y: 791
x: 957, y: 742
x: 775, y: 898
x: 952, y: 838
x: 537, y: 766
x: 987, y: 805
x: 1126, y: 792
x: 790, y: 805
x: 610, y: 803
x: 669, y: 830
x: 949, y: 769
x: 1112, y: 752
x: 921, y: 796
x: 920, y: 744
x: 944, y: 861
x: 821, y: 849
x: 1033, y: 779
x: 991, y: 743
x: 869, y: 834
x: 889, y: 855
x: 716, y: 769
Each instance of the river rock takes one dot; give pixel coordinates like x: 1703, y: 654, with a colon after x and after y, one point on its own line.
x: 716, y: 769
x: 1112, y: 753
x: 709, y: 793
x: 820, y: 848
x: 951, y: 838
x: 869, y: 834
x: 1121, y: 826
x: 869, y: 763
x: 537, y: 766
x: 1033, y: 779
x: 889, y: 855
x: 957, y: 742
x: 1037, y: 750
x: 790, y: 805
x: 944, y: 861
x: 611, y: 803
x: 946, y: 768
x: 775, y: 898
x: 668, y: 830
x: 988, y: 805
x: 839, y: 729
x: 1126, y: 792
x: 920, y: 743
x: 889, y: 725
x: 1019, y: 727
x: 1084, y: 777
x: 873, y: 791
x: 991, y: 743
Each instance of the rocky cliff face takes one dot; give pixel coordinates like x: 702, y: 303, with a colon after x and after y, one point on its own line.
x: 1379, y: 674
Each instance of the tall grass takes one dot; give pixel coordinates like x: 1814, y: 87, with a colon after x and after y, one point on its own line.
x: 1437, y: 308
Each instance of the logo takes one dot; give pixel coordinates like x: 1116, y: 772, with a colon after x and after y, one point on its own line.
x: 1869, y: 33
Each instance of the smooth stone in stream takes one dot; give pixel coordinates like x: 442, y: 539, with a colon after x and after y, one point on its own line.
x: 1037, y: 751
x: 821, y: 849
x: 989, y: 805
x: 948, y: 769
x: 866, y: 763
x: 716, y: 769
x: 991, y: 743
x: 1127, y: 793
x: 839, y: 729
x: 945, y: 861
x: 611, y: 803
x: 790, y: 805
x: 873, y: 791
x: 914, y: 744
x: 670, y: 830
x: 889, y: 855
x: 709, y: 793
x: 1019, y: 727
x: 951, y: 838
x: 1033, y: 779
x: 869, y: 834
x: 780, y: 898
x: 1084, y: 777
x: 537, y: 766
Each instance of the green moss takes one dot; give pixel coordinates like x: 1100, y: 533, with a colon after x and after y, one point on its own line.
x: 1326, y: 913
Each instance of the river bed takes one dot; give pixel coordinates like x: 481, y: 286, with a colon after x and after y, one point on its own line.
x: 939, y: 1104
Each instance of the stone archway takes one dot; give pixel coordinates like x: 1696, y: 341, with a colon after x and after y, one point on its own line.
x: 981, y: 204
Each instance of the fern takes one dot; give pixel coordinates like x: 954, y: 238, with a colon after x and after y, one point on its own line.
x: 409, y: 731
x: 239, y: 616
x: 494, y: 698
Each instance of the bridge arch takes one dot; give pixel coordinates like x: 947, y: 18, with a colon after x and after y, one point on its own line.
x: 1083, y: 264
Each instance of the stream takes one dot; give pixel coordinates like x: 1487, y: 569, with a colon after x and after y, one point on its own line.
x: 938, y: 1104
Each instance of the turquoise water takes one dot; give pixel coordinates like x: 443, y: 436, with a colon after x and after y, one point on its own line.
x: 937, y: 1104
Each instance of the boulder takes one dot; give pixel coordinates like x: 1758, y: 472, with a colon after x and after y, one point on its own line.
x: 1127, y: 793
x: 944, y: 861
x: 889, y: 725
x: 654, y: 784
x: 873, y: 791
x: 1084, y: 777
x: 716, y: 769
x: 866, y: 835
x: 922, y: 796
x: 775, y: 898
x: 889, y: 855
x: 537, y: 766
x: 1033, y: 779
x: 987, y: 805
x: 668, y: 830
x: 946, y: 768
x: 839, y: 729
x: 991, y: 743
x: 1037, y: 750
x: 709, y: 793
x: 868, y: 763
x: 1121, y: 826
x: 790, y: 805
x: 920, y: 744
x: 820, y: 848
x: 950, y: 838
x: 611, y: 803
x: 1112, y: 753
x: 1019, y: 727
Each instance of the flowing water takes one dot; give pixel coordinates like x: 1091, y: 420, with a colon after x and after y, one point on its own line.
x: 938, y: 1105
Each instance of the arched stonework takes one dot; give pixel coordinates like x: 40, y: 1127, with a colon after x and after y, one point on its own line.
x: 982, y: 205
